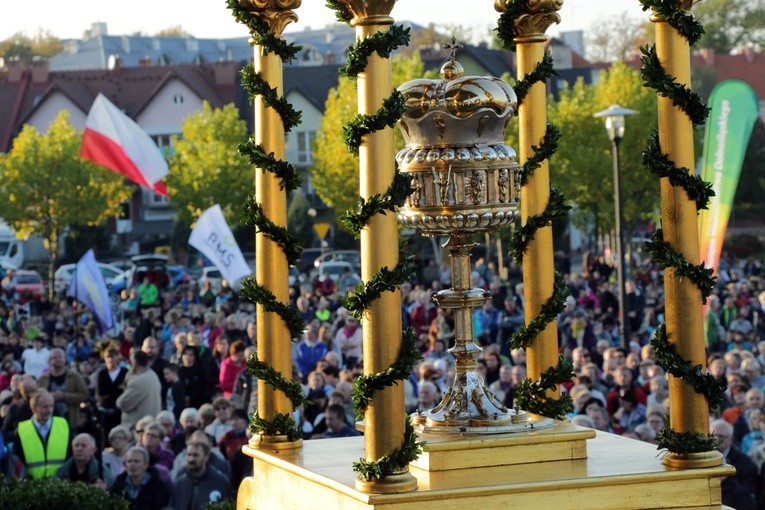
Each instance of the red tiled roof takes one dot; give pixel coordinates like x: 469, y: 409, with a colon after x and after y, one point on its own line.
x: 131, y: 89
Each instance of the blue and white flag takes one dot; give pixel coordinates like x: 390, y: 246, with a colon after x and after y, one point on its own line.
x: 212, y: 236
x: 88, y: 287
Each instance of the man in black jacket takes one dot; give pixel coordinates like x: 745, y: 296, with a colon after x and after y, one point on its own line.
x: 140, y: 484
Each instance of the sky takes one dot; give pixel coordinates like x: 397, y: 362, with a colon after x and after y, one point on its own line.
x: 211, y: 18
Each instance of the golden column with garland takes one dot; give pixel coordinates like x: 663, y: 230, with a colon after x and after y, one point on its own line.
x: 384, y: 419
x: 274, y: 342
x: 538, y: 267
x: 689, y: 410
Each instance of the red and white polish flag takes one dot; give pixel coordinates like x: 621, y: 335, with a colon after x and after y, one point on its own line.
x: 113, y: 140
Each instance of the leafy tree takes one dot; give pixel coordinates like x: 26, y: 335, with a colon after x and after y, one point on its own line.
x: 731, y: 24
x: 335, y: 171
x: 46, y: 187
x: 173, y: 31
x: 25, y: 48
x: 206, y: 168
x: 583, y: 167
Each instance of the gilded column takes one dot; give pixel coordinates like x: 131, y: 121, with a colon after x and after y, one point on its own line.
x: 274, y: 342
x: 382, y: 324
x: 689, y: 410
x: 538, y: 268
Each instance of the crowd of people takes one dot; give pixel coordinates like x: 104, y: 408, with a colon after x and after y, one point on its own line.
x: 157, y: 410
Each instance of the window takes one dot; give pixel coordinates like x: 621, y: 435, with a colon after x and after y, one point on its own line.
x: 304, y: 142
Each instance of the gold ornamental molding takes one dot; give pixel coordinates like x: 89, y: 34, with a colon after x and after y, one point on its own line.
x: 277, y: 14
x: 536, y: 17
x: 369, y: 12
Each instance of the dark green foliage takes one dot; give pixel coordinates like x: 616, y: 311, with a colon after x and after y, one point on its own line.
x: 255, y: 293
x: 659, y: 164
x: 366, y: 385
x: 253, y: 215
x: 670, y: 360
x: 389, y: 464
x: 549, y: 313
x: 388, y: 114
x: 506, y: 24
x: 382, y: 43
x: 260, y: 33
x: 541, y: 72
x: 395, y: 196
x: 543, y: 152
x: 684, y: 442
x: 655, y: 77
x: 557, y: 209
x: 670, y: 11
x: 665, y: 256
x: 289, y: 177
x: 55, y: 494
x: 281, y: 425
x: 342, y: 13
x: 255, y: 85
x: 384, y: 280
x: 532, y: 396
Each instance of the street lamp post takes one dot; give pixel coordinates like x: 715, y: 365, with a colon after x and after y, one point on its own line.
x: 614, y: 115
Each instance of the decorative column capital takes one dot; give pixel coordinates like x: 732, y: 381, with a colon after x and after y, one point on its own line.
x: 534, y: 17
x: 369, y: 12
x: 276, y: 14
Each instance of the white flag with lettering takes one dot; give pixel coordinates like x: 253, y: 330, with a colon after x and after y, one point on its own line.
x: 212, y: 236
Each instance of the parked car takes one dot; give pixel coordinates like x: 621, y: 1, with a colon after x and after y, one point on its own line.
x: 213, y: 275
x: 335, y: 270
x: 153, y: 265
x: 30, y: 283
x: 65, y: 272
x: 353, y: 257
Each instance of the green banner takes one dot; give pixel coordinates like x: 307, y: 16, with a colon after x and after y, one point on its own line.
x: 734, y: 109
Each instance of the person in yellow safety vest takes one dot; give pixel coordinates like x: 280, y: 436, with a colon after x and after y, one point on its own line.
x: 42, y: 443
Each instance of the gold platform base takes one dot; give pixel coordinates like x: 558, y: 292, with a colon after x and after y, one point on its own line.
x: 562, y: 442
x: 618, y: 474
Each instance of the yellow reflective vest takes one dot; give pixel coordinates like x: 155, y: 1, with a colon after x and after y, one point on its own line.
x: 42, y: 461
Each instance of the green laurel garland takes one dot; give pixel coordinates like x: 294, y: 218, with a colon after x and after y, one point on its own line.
x: 255, y: 85
x: 533, y: 395
x: 395, y: 196
x: 367, y: 385
x: 659, y: 164
x: 523, y: 337
x: 281, y: 423
x: 363, y: 124
x: 654, y: 76
x: 682, y: 21
x: 256, y: 293
x: 390, y: 464
x: 260, y: 33
x: 543, y: 152
x: 253, y: 215
x: 506, y: 23
x: 706, y: 384
x: 289, y: 177
x: 666, y: 257
x: 382, y: 43
x: 522, y: 236
x: 384, y: 279
x: 684, y: 442
x: 544, y: 69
